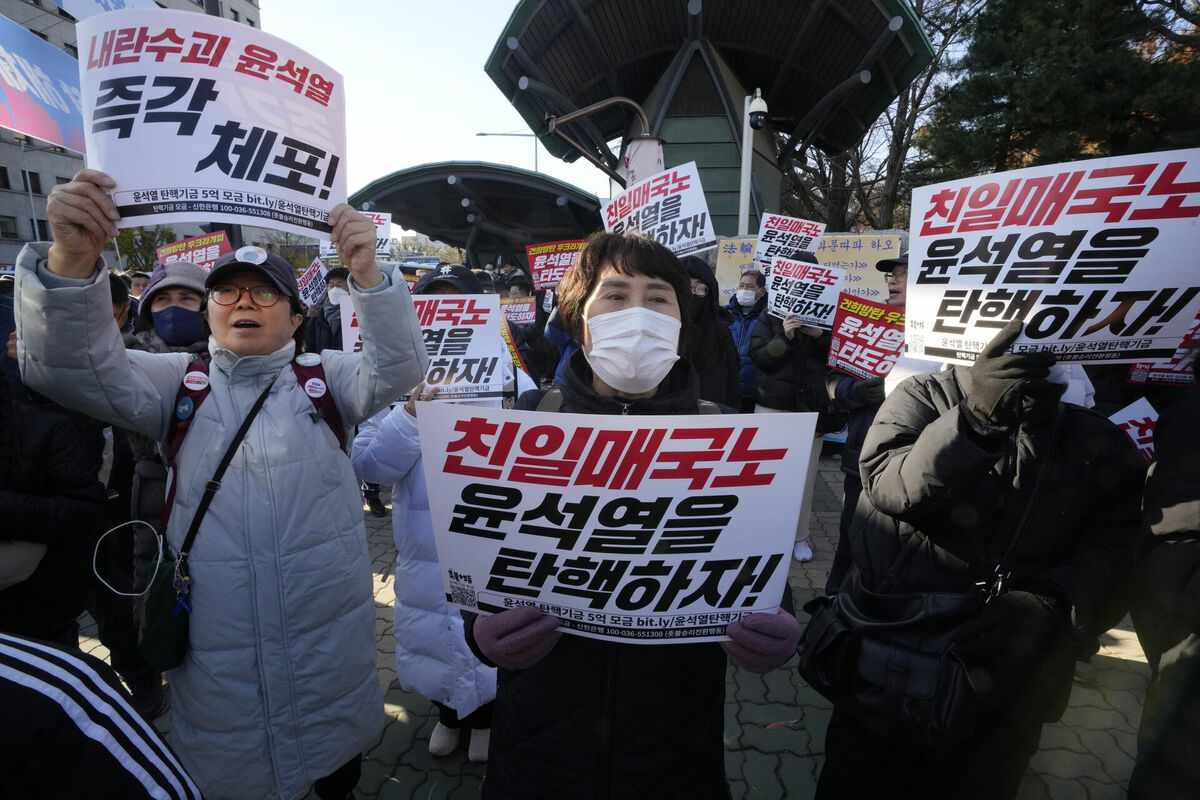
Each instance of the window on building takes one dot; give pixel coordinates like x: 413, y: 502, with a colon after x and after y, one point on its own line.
x: 71, y: 49
x: 233, y: 15
x: 31, y: 181
x: 4, y: 182
x: 8, y: 228
x: 41, y: 36
x: 250, y: 22
x: 43, y: 230
x: 59, y: 180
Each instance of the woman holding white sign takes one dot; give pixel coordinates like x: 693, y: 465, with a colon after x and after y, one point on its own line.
x: 278, y: 688
x: 577, y: 717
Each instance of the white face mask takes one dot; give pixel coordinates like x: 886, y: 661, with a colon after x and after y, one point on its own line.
x: 633, y: 350
x: 336, y: 295
x: 746, y: 297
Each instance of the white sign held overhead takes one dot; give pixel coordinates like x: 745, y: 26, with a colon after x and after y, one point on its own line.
x: 668, y: 207
x: 198, y: 118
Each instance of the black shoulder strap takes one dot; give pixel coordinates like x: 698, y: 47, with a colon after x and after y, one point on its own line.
x: 707, y: 407
x: 552, y: 400
x: 211, y: 487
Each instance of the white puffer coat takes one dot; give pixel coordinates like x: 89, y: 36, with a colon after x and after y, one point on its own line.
x: 432, y: 656
x: 280, y: 685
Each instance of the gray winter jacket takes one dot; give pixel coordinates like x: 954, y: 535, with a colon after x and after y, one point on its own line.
x: 280, y: 685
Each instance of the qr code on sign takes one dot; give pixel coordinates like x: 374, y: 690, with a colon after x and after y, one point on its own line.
x: 461, y: 595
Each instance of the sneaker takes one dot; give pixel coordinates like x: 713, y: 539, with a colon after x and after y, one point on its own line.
x: 149, y: 697
x: 802, y: 552
x: 480, y: 739
x: 443, y: 740
x: 376, y: 507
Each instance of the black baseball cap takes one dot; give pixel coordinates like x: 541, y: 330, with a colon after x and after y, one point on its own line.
x: 272, y: 266
x: 458, y: 276
x: 888, y: 264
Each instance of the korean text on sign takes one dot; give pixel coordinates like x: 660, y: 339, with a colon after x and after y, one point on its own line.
x: 200, y: 250
x: 1097, y: 257
x: 785, y: 237
x: 1138, y: 420
x: 1174, y: 371
x: 549, y: 261
x: 383, y: 236
x: 312, y: 283
x: 804, y: 290
x: 199, y: 118
x: 867, y: 337
x: 859, y: 254
x: 519, y: 310
x: 668, y: 207
x: 462, y: 339
x: 637, y: 529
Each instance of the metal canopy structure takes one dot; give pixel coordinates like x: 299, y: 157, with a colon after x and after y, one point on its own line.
x: 488, y: 209
x: 827, y: 68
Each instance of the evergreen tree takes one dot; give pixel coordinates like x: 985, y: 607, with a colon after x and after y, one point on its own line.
x: 1046, y: 81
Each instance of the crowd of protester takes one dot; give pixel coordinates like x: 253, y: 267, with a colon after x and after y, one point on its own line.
x: 946, y: 474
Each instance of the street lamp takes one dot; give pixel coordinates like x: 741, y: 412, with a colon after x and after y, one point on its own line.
x: 754, y: 116
x: 535, y: 144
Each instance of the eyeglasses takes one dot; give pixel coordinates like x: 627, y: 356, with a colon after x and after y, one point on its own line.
x: 700, y: 290
x: 895, y: 276
x: 228, y: 295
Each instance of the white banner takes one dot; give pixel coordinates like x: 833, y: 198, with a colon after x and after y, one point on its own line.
x: 198, y: 118
x: 785, y: 237
x: 668, y: 207
x: 1098, y: 257
x: 804, y: 290
x: 634, y: 529
x: 383, y: 236
x: 463, y: 341
x: 1138, y: 420
x: 312, y: 283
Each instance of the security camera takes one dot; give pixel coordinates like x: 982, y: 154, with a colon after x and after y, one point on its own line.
x: 758, y: 111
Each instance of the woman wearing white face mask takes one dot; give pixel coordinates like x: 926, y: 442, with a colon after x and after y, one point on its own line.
x: 578, y: 717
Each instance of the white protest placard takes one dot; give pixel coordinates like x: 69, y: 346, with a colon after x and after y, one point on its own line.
x: 668, y: 207
x: 1138, y: 420
x: 634, y: 529
x: 1098, y: 257
x: 198, y: 118
x: 312, y: 283
x: 804, y: 290
x: 785, y: 237
x: 383, y: 236
x: 462, y: 335
x: 858, y: 254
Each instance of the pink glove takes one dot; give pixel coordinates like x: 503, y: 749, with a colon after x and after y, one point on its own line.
x: 517, y: 638
x: 762, y: 642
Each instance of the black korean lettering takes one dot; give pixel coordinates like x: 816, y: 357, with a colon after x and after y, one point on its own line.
x: 237, y: 158
x: 187, y: 120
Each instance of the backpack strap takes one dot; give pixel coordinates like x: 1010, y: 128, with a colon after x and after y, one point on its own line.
x: 552, y: 400
x: 311, y: 376
x: 192, y: 392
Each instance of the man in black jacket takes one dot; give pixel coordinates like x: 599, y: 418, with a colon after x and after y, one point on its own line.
x: 949, y: 474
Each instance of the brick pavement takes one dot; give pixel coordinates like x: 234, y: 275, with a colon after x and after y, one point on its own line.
x: 775, y: 724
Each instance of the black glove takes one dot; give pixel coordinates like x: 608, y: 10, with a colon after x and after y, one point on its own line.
x: 999, y: 379
x: 867, y: 392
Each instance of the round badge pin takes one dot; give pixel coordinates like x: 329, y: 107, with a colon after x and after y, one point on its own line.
x: 314, y: 387
x: 308, y: 359
x: 251, y: 255
x: 184, y: 408
x: 195, y: 381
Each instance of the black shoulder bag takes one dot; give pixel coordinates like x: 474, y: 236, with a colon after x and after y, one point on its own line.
x: 888, y: 658
x: 163, y: 632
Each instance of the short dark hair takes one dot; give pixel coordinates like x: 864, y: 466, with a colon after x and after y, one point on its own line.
x: 629, y: 254
x: 119, y: 289
x: 759, y: 278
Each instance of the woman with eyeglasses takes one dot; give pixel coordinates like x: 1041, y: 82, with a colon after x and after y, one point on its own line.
x: 279, y: 688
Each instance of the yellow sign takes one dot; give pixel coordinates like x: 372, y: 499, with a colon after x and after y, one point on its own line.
x: 857, y: 253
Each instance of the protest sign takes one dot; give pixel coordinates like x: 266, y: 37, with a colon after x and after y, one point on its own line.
x: 200, y: 250
x: 1138, y: 420
x: 383, y: 236
x: 859, y: 254
x: 82, y: 9
x: 734, y: 256
x: 198, y: 118
x: 668, y: 207
x: 633, y: 529
x: 312, y: 283
x: 462, y: 339
x: 807, y: 291
x: 41, y: 88
x: 548, y: 262
x: 1175, y: 371
x: 868, y: 337
x: 785, y: 237
x: 518, y: 310
x: 1098, y: 258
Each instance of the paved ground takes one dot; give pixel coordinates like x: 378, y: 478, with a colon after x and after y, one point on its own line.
x: 775, y: 724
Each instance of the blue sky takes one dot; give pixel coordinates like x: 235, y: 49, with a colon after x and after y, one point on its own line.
x: 415, y: 87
